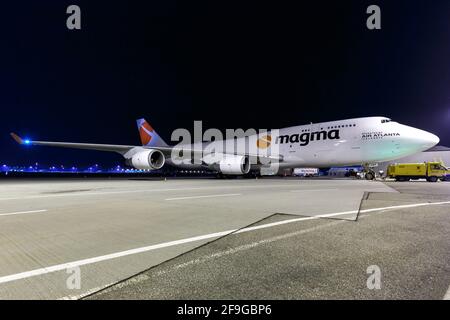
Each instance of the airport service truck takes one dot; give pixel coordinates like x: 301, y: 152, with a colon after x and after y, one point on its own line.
x: 431, y: 171
x: 306, y: 172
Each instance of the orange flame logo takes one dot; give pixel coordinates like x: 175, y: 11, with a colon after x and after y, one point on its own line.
x: 264, y: 142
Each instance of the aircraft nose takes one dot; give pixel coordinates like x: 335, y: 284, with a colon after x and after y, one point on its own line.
x: 416, y: 139
x: 429, y: 140
x: 435, y: 139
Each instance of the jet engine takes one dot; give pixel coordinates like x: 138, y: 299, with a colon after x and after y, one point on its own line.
x: 150, y: 159
x: 234, y: 165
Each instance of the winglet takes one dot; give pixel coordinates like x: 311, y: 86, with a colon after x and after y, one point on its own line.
x: 18, y: 139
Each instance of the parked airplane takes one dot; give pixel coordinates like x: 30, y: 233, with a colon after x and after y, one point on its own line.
x: 327, y: 144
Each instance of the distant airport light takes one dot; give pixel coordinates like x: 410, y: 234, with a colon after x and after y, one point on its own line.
x: 27, y: 141
x: 61, y: 169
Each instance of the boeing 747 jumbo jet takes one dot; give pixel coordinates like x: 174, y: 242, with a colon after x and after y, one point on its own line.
x: 360, y: 141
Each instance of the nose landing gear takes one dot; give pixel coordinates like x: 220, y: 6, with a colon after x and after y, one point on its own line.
x: 369, y: 173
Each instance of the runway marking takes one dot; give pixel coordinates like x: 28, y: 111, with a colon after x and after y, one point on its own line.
x: 244, y: 247
x: 341, y: 213
x: 235, y: 186
x: 406, y: 206
x: 78, y: 263
x: 219, y: 254
x: 142, y: 191
x: 21, y: 212
x: 206, y: 196
x: 143, y: 277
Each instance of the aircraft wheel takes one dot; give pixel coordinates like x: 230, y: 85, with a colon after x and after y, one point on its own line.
x: 369, y: 176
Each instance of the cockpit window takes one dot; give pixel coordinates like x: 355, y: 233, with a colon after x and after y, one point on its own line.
x: 385, y: 120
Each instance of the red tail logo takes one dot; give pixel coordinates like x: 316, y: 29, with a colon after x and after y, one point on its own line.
x: 145, y: 131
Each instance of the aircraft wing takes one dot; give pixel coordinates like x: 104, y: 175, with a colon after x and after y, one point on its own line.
x: 123, y: 149
x: 88, y: 146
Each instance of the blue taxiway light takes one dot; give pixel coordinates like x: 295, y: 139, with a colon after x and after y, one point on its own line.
x: 27, y: 141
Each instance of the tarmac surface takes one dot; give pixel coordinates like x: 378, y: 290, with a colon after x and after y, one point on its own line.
x: 201, y: 239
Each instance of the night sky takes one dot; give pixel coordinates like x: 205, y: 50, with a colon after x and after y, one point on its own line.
x: 232, y: 64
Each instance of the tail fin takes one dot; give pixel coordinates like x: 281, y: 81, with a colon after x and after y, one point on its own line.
x: 148, y: 135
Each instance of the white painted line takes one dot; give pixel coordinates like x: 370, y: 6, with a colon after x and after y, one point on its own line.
x: 78, y: 263
x: 21, y: 212
x: 406, y: 206
x: 279, y: 223
x: 340, y: 214
x: 77, y: 194
x: 206, y: 196
x: 307, y: 190
x: 447, y: 294
x: 84, y: 193
x: 244, y: 247
x: 83, y: 262
x: 154, y: 190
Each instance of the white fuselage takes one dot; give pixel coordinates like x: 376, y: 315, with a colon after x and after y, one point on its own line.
x: 357, y: 141
x: 336, y: 143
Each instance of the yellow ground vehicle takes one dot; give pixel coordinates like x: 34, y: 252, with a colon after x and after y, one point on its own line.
x: 432, y: 171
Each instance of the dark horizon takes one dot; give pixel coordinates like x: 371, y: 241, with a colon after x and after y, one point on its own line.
x: 233, y: 65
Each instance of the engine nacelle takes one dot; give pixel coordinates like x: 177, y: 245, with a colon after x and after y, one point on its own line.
x: 234, y: 165
x: 150, y: 159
